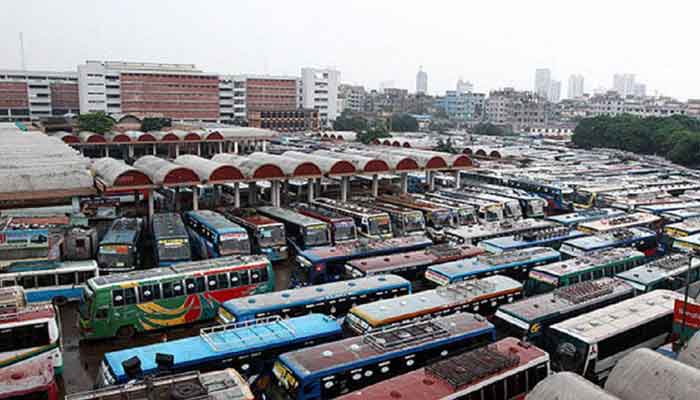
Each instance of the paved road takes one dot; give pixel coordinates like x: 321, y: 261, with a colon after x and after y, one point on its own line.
x: 82, y: 359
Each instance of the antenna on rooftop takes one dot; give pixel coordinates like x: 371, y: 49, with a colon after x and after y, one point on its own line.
x: 21, y: 51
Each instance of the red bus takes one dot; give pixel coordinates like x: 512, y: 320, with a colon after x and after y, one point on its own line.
x: 343, y: 228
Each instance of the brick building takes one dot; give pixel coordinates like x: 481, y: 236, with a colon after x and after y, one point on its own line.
x: 30, y: 95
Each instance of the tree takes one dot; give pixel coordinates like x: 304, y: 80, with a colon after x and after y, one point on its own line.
x: 368, y: 137
x: 155, y: 124
x: 445, y: 146
x: 349, y: 122
x: 404, y: 123
x: 97, y: 122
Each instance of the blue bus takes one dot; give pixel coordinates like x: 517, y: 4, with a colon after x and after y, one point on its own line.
x: 215, y: 236
x: 669, y: 272
x: 248, y: 347
x: 575, y: 218
x: 333, y: 299
x: 171, y: 244
x: 558, y: 196
x: 55, y: 281
x: 328, y: 370
x: 516, y: 264
x: 642, y: 239
x: 120, y: 248
x: 665, y: 207
x: 552, y: 237
x: 327, y: 264
x: 681, y: 215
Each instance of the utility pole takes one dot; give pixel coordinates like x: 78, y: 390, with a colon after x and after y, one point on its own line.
x: 21, y: 51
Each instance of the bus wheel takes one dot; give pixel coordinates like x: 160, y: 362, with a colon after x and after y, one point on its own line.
x: 126, y: 332
x: 59, y: 301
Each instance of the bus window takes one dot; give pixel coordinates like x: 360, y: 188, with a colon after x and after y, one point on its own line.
x: 46, y: 280
x: 83, y: 276
x: 66, y: 279
x: 149, y: 292
x: 244, y: 278
x: 235, y: 280
x: 118, y: 297
x: 129, y: 296
x: 255, y: 276
x: 316, y: 235
x: 8, y: 283
x: 194, y: 285
x: 28, y: 282
x: 222, y: 281
x: 172, y: 289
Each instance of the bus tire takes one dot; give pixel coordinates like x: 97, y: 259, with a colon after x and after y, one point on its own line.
x: 59, y: 301
x: 185, y: 390
x: 126, y: 332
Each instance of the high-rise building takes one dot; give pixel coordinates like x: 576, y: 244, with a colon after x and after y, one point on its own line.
x: 623, y: 84
x: 30, y: 95
x: 464, y: 86
x: 320, y: 92
x: 640, y: 90
x: 354, y: 97
x: 421, y: 81
x: 554, y: 91
x: 575, y: 89
x: 543, y: 78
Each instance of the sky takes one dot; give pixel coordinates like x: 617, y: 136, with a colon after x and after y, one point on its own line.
x: 493, y: 44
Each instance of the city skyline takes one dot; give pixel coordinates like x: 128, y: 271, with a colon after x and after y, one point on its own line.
x: 369, y: 57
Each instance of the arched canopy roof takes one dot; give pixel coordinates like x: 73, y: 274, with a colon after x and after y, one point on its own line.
x: 210, y: 171
x: 495, y: 154
x: 568, y: 386
x: 67, y: 137
x: 328, y: 165
x: 467, y: 150
x: 188, y: 136
x: 91, y: 137
x: 117, y: 137
x: 213, y: 135
x: 425, y: 160
x: 138, y: 136
x: 115, y: 174
x: 292, y: 167
x: 166, y: 136
x: 361, y: 163
x: 481, y: 152
x: 250, y: 168
x: 396, y: 162
x: 163, y: 172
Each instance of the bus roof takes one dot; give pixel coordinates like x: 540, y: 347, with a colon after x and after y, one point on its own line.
x: 167, y: 225
x: 27, y: 313
x: 411, y: 259
x: 210, y: 266
x: 43, y: 265
x: 377, y: 345
x: 456, y: 269
x: 347, y: 206
x: 246, y: 339
x: 607, y: 224
x: 214, y: 220
x: 448, y: 377
x: 122, y: 230
x: 366, y: 248
x: 401, y: 308
x: 588, y: 261
x: 321, y: 213
x: 682, y: 213
x: 566, y: 299
x: 310, y: 294
x: 605, y: 322
x: 538, y: 238
x: 287, y: 215
x: 470, y: 232
x: 659, y: 269
x: 660, y: 208
x: 608, y: 239
x: 688, y: 226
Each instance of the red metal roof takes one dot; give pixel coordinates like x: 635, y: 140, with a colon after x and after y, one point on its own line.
x: 268, y: 171
x: 462, y: 161
x: 214, y: 136
x: 121, y: 138
x: 146, y: 137
x: 169, y: 137
x: 226, y: 173
x: 307, y: 169
x: 69, y: 138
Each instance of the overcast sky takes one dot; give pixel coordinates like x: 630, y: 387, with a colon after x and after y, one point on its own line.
x: 491, y: 43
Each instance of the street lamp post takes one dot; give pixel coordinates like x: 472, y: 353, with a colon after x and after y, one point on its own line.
x: 692, y: 254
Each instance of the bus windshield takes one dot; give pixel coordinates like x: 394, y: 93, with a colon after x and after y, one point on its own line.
x: 413, y: 222
x: 173, y: 249
x: 566, y: 352
x: 492, y: 215
x: 234, y: 243
x: 440, y: 218
x: 316, y: 235
x: 379, y: 225
x: 344, y: 230
x: 466, y: 217
x: 117, y: 255
x: 513, y: 209
x: 583, y: 198
x: 86, y: 302
x: 535, y: 207
x: 285, y: 384
x: 270, y: 235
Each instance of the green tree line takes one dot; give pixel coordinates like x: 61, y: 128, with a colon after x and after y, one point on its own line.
x: 676, y: 138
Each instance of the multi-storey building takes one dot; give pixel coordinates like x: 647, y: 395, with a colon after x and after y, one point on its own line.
x: 543, y: 78
x: 30, y: 95
x: 624, y: 84
x: 320, y: 92
x: 353, y: 97
x: 613, y: 104
x: 554, y: 91
x: 462, y: 106
x: 575, y: 89
x: 421, y: 81
x: 519, y: 109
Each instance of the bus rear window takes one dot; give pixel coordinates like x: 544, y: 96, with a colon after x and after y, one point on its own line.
x: 23, y: 337
x: 271, y: 235
x: 173, y: 249
x: 234, y: 243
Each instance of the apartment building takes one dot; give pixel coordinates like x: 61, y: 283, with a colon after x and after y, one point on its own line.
x: 320, y: 92
x: 519, y: 109
x: 30, y: 95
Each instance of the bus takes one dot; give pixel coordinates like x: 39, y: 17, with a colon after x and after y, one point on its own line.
x: 477, y: 233
x: 32, y: 379
x: 687, y: 243
x: 122, y: 305
x: 334, y: 299
x: 669, y: 272
x: 329, y: 370
x: 223, y: 384
x: 479, y: 296
x: 511, y: 207
x: 215, y: 236
x: 531, y: 317
x: 371, y: 223
x: 591, y: 344
x: 551, y: 237
x: 462, y: 214
x: 327, y: 264
x: 267, y: 236
x: 579, y: 217
x: 666, y: 207
x: 507, y: 369
x: 675, y: 216
x: 435, y: 215
x: 558, y: 196
x: 29, y: 332
x: 343, y: 228
x: 532, y: 206
x: 486, y: 211
x: 410, y: 265
x: 545, y: 278
x: 634, y: 220
x: 247, y: 346
x: 683, y: 228
x: 404, y: 221
x: 515, y: 264
x: 303, y: 232
x: 587, y: 197
x: 642, y: 239
x: 120, y: 248
x: 171, y: 244
x: 50, y: 281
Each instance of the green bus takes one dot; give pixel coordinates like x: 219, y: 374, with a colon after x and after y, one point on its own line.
x: 123, y: 304
x: 604, y: 263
